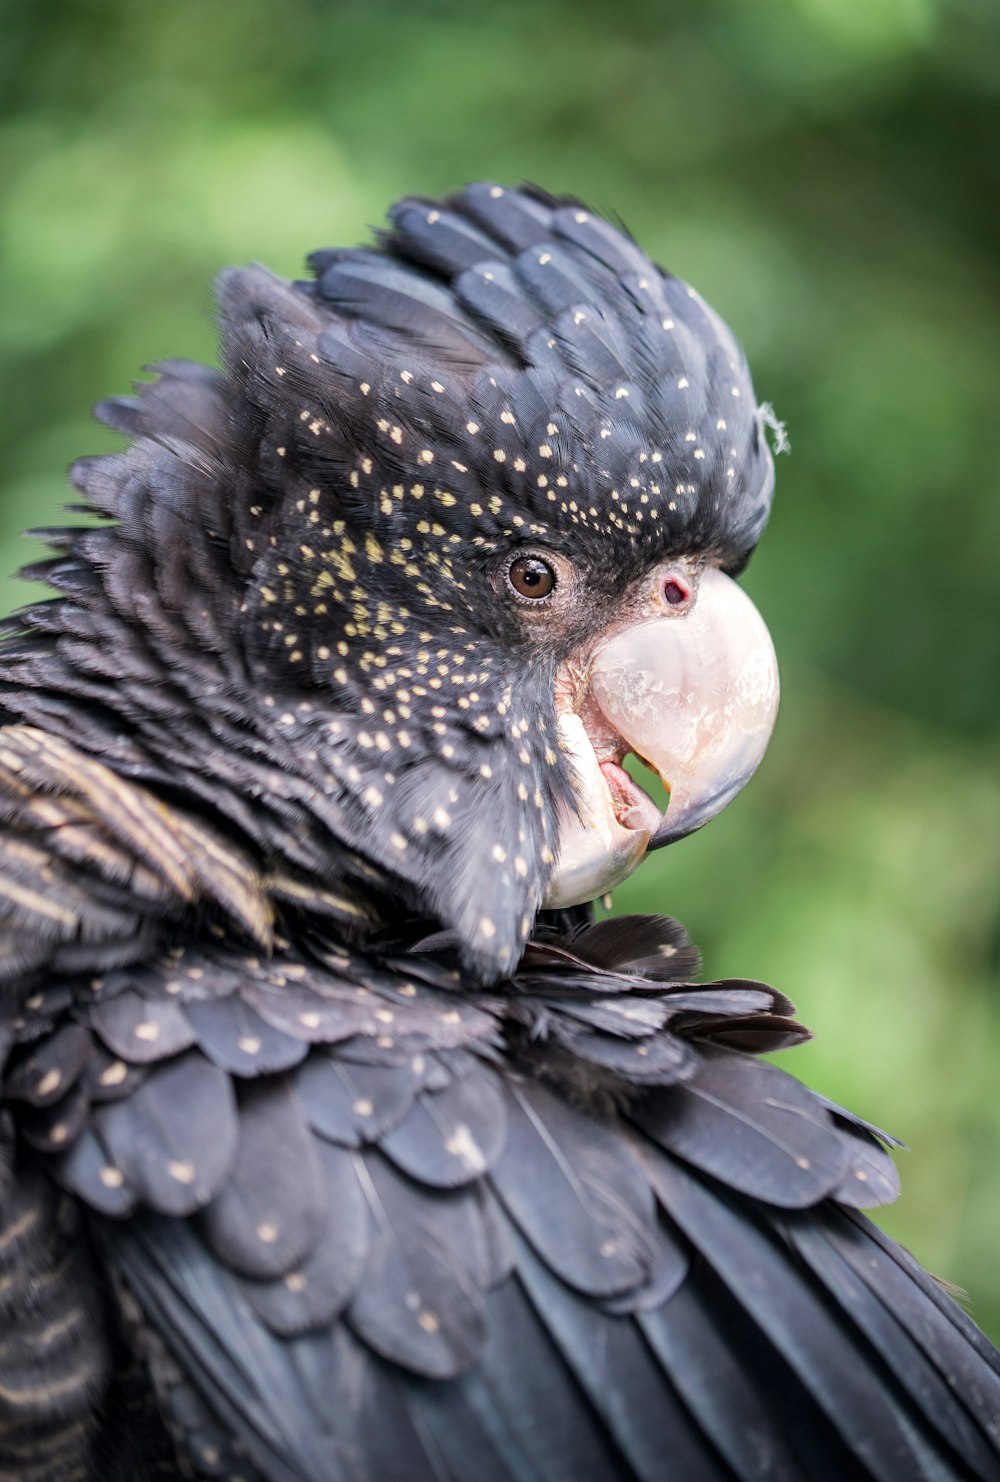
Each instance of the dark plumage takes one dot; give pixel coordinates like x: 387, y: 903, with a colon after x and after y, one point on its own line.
x: 326, y: 1152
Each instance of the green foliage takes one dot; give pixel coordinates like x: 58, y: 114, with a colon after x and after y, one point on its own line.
x: 825, y: 172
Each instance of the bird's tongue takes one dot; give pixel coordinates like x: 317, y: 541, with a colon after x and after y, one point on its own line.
x: 633, y: 809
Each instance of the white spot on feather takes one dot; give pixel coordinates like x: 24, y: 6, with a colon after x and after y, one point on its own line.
x: 462, y: 1145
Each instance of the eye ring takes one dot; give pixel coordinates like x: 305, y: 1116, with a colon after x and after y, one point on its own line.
x: 531, y: 578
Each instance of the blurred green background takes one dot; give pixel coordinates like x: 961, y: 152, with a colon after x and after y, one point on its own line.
x: 825, y: 171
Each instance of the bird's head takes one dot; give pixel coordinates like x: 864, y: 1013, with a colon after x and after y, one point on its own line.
x: 487, y: 486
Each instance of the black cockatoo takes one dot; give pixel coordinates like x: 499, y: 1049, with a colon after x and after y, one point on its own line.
x: 339, y: 1143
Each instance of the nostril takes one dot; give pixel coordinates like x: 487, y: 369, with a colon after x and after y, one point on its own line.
x: 675, y: 592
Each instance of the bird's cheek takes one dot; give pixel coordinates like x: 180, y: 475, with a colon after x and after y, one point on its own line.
x: 695, y: 698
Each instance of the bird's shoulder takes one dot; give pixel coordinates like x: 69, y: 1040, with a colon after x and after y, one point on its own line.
x: 97, y: 870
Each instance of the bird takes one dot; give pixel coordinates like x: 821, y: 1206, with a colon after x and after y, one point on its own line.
x: 343, y: 1138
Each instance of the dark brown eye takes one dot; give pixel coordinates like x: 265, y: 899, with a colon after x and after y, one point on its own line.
x: 530, y: 576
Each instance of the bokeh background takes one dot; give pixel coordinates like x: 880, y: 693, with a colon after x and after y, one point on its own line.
x: 825, y: 171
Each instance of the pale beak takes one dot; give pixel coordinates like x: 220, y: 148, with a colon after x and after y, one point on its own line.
x: 694, y: 697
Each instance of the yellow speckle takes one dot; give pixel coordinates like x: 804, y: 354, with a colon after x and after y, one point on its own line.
x: 267, y: 1232
x: 181, y: 1170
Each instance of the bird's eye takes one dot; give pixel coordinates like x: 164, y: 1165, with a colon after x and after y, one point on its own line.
x: 531, y: 577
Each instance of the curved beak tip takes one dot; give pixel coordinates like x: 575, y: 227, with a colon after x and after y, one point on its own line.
x: 686, y: 816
